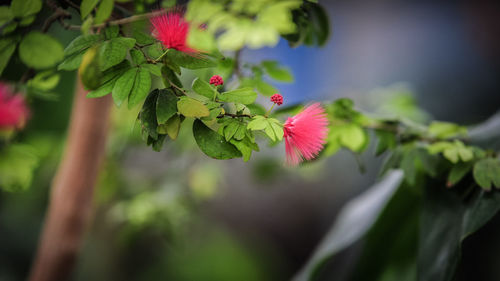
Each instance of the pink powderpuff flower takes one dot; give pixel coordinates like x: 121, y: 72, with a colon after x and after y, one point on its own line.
x: 277, y: 99
x: 305, y: 134
x: 216, y: 80
x: 171, y: 29
x: 13, y: 109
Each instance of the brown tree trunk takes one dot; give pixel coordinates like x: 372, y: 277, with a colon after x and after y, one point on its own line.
x: 72, y: 190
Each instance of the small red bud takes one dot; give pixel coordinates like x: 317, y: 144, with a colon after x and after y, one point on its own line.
x: 277, y: 99
x: 216, y: 80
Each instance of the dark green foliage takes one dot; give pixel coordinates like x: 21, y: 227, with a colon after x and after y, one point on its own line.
x: 166, y: 105
x: 213, y: 144
x: 242, y: 95
x: 487, y: 173
x: 447, y: 219
x: 147, y: 116
x: 354, y: 220
x: 393, y: 240
x: 204, y: 88
x: 313, y: 26
x: 169, y: 77
x: 114, y: 51
x: 189, y: 61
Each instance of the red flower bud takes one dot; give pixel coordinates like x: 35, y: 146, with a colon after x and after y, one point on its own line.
x: 216, y: 80
x: 277, y: 99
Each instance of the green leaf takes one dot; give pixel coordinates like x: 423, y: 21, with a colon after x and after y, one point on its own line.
x: 137, y: 56
x: 170, y: 77
x: 5, y: 14
x: 87, y: 25
x: 453, y: 151
x: 141, y: 37
x: 272, y: 127
x: 277, y: 128
x: 153, y: 69
x: 245, y: 146
x: 203, y: 88
x: 104, y: 11
x: 166, y: 105
x: 17, y: 164
x: 241, y: 132
x: 188, y: 61
x: 155, y: 50
x: 398, y: 223
x: 213, y: 144
x: 27, y: 20
x: 147, y: 116
x: 111, y: 32
x: 313, y: 26
x: 87, y: 6
x: 158, y: 143
x: 352, y: 223
x: 89, y: 70
x: 173, y: 126
x: 24, y: 8
x: 487, y: 173
x: 230, y: 128
x: 114, y: 51
x: 80, y: 43
x: 258, y: 123
x: 445, y: 130
x: 142, y: 85
x: 416, y: 160
x: 71, y: 62
x: 243, y: 95
x: 109, y: 78
x: 278, y: 16
x: 7, y: 48
x: 40, y: 50
x: 349, y: 135
x: 457, y: 172
x: 103, y: 90
x: 124, y: 85
x: 44, y: 81
x: 386, y: 140
x: 190, y: 107
x: 446, y: 221
x: 276, y: 72
x: 9, y: 28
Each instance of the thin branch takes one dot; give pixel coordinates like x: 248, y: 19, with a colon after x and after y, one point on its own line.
x: 121, y: 21
x: 72, y: 4
x: 59, y: 14
x: 149, y: 60
x: 173, y: 85
x: 234, y: 115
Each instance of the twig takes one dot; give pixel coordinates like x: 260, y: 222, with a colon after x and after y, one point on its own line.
x: 72, y: 4
x: 149, y: 60
x: 234, y: 115
x: 121, y: 21
x: 59, y: 14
